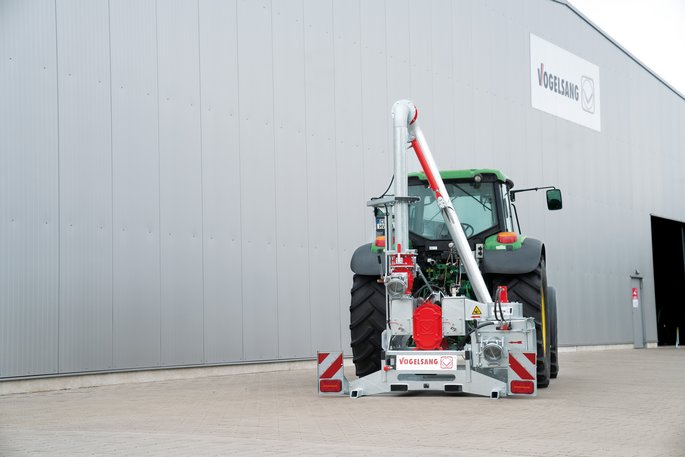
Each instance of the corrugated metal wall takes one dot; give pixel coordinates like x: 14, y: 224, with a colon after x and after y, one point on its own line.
x: 183, y: 182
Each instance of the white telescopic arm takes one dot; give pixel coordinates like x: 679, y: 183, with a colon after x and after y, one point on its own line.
x: 404, y: 109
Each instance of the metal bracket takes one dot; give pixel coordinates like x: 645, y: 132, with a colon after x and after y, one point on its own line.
x: 390, y: 201
x: 637, y: 275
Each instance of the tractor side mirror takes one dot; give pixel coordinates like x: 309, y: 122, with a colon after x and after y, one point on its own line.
x: 554, y: 199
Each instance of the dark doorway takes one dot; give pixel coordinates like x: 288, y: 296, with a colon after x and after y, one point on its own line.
x: 668, y: 252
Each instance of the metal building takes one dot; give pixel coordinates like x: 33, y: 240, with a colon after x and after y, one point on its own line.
x: 182, y: 182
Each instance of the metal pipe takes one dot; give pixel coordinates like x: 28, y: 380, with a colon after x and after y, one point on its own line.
x: 444, y: 201
x: 403, y: 111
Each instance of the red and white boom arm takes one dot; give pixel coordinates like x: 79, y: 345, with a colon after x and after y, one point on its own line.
x: 407, y: 131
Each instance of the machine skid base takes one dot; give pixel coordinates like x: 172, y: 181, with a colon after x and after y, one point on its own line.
x: 454, y: 375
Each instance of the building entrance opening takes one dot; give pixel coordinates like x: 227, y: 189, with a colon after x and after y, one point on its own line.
x: 668, y: 253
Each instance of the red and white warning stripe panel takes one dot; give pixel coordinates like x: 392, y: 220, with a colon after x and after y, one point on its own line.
x: 330, y: 373
x: 522, y: 373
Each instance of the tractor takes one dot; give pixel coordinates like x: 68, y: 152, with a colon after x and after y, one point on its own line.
x: 449, y: 295
x: 485, y: 202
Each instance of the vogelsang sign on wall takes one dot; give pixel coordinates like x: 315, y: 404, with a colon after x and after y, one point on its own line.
x: 563, y: 84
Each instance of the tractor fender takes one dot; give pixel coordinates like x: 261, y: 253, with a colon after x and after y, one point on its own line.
x: 366, y: 262
x: 518, y: 261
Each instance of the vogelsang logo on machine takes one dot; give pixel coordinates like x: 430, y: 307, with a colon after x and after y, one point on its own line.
x: 427, y: 362
x: 563, y: 84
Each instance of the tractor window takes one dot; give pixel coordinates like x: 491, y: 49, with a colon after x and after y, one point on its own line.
x: 474, y: 203
x: 506, y: 208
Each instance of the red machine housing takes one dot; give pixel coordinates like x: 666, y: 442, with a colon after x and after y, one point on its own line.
x: 428, y: 326
x: 404, y: 263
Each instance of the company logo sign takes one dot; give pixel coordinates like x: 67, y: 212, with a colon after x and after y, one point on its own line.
x: 429, y: 362
x: 563, y: 84
x: 587, y: 86
x: 447, y: 363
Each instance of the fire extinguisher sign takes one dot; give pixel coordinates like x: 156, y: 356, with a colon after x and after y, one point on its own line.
x: 636, y: 300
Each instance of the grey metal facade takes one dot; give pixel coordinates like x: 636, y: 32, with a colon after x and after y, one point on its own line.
x: 183, y: 182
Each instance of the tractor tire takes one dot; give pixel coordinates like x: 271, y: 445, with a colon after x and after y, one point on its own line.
x: 553, y: 351
x: 530, y: 290
x: 367, y: 322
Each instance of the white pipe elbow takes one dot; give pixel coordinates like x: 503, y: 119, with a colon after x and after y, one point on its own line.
x: 404, y: 113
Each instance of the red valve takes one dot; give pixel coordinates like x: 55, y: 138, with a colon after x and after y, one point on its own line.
x: 503, y: 294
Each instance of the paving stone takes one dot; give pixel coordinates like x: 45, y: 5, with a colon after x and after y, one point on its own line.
x: 604, y: 403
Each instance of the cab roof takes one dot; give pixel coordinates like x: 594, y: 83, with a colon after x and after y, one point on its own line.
x: 467, y: 175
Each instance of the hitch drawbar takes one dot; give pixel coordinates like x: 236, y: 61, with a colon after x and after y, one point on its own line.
x: 492, y: 348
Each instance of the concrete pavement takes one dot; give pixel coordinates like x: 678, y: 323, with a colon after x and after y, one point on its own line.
x: 604, y: 403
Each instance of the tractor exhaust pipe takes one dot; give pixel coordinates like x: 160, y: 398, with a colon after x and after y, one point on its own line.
x: 407, y: 130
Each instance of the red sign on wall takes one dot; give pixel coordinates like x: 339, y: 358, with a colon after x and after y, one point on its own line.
x: 636, y: 301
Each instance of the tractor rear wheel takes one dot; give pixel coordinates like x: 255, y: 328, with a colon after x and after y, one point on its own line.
x: 367, y: 322
x: 530, y: 290
x: 553, y: 352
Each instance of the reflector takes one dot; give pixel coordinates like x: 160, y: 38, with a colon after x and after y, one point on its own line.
x: 522, y: 387
x: 507, y: 237
x: 330, y: 385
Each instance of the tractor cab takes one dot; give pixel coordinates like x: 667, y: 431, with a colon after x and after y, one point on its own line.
x: 480, y: 197
x: 484, y: 200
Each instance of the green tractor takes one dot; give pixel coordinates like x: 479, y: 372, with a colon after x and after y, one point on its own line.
x: 484, y: 201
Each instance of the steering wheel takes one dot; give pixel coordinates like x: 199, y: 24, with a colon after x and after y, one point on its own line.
x: 469, y: 231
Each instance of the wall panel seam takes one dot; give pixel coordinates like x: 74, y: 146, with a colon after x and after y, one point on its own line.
x: 202, y: 187
x: 159, y: 183
x: 306, y: 158
x: 111, y: 165
x: 59, y: 199
x: 335, y: 175
x: 361, y: 92
x: 240, y: 198
x: 273, y: 129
